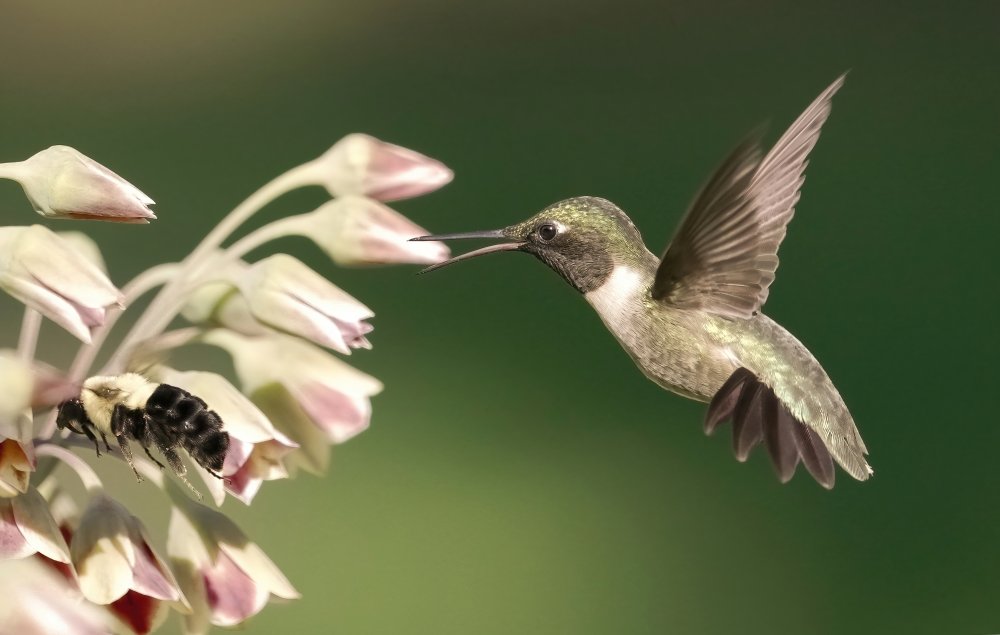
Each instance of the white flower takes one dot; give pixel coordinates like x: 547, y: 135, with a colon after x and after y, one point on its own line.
x: 226, y: 577
x: 335, y: 396
x: 60, y: 182
x: 17, y: 462
x: 48, y: 274
x: 112, y: 557
x: 256, y: 448
x: 361, y: 164
x: 27, y: 527
x: 284, y: 294
x: 355, y: 230
x: 36, y: 601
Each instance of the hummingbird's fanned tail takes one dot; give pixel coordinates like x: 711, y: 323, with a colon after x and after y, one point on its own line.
x: 758, y: 415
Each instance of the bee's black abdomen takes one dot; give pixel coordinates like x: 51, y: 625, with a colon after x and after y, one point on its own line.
x: 211, y: 451
x: 190, y: 424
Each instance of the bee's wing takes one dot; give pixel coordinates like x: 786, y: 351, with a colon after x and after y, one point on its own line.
x: 723, y: 257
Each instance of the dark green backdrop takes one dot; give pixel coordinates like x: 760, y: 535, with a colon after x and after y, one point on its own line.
x: 520, y: 475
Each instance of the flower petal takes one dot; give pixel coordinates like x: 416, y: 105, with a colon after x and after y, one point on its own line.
x: 232, y: 594
x: 38, y: 527
x: 12, y: 542
x: 16, y: 465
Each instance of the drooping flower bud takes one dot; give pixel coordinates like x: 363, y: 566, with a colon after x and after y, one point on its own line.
x: 335, y: 396
x: 27, y: 527
x: 362, y: 164
x: 48, y: 274
x: 226, y: 577
x: 116, y: 565
x: 355, y: 230
x: 61, y: 182
x: 285, y: 294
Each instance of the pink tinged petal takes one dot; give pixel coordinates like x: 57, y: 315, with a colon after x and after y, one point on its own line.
x: 61, y: 182
x: 286, y: 294
x: 237, y: 455
x: 341, y: 415
x: 48, y: 274
x: 149, y: 577
x: 287, y: 314
x: 361, y: 164
x: 12, y: 542
x: 255, y: 563
x: 39, y: 528
x: 60, y: 266
x: 36, y: 601
x: 313, y: 454
x: 232, y: 595
x: 354, y: 230
x: 51, y: 305
x: 243, y: 484
x: 265, y: 463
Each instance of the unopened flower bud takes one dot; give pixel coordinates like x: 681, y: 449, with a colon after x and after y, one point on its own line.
x: 61, y: 182
x: 361, y: 164
x: 48, y: 274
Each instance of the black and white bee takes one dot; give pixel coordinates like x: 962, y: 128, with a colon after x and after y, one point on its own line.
x: 166, y: 417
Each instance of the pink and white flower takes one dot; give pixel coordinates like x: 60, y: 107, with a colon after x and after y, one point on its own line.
x: 38, y: 601
x: 116, y: 565
x: 226, y: 577
x: 27, y: 527
x: 48, y: 274
x: 362, y: 164
x: 356, y: 230
x: 60, y: 182
x: 335, y: 396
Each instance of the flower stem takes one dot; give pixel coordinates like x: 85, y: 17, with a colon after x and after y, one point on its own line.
x: 27, y: 341
x: 87, y: 475
x: 166, y: 304
x: 148, y: 279
x: 272, y: 231
x: 13, y: 171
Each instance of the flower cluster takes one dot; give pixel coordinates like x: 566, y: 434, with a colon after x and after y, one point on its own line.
x: 88, y: 565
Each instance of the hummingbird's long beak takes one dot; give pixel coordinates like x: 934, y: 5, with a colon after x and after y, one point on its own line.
x: 496, y: 233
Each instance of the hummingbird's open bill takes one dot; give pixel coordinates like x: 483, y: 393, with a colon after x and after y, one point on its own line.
x: 691, y: 320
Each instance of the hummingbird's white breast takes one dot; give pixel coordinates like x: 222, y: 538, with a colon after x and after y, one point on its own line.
x: 612, y: 299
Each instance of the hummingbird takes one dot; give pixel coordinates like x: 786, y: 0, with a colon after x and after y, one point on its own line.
x: 691, y: 320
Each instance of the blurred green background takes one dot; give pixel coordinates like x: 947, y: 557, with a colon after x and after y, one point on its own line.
x: 521, y: 476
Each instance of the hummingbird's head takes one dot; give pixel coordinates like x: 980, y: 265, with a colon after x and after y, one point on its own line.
x: 582, y: 239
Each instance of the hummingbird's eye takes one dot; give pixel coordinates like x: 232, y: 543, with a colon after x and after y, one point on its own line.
x: 547, y: 232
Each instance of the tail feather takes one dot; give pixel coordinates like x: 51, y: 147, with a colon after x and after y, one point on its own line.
x: 759, y: 415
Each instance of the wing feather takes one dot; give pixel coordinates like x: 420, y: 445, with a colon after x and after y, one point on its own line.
x: 725, y: 253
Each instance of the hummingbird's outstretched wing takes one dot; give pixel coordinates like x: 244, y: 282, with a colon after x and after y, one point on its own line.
x: 723, y: 257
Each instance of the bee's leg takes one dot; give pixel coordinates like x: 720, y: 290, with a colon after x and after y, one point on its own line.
x: 105, y: 439
x: 121, y: 426
x: 127, y: 453
x: 85, y: 425
x: 179, y: 468
x: 153, y: 458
